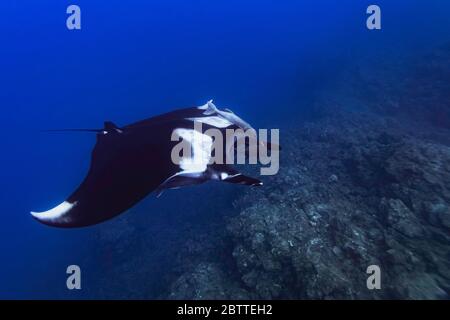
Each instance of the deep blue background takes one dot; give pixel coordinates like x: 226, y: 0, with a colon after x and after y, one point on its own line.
x: 134, y: 59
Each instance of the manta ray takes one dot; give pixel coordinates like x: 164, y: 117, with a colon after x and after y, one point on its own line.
x: 130, y: 162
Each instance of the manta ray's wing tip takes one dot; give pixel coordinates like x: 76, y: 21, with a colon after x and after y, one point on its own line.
x: 36, y: 215
x: 53, y: 214
x: 40, y: 216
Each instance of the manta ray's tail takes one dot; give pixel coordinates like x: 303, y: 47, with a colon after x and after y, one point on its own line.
x: 109, y: 126
x: 73, y: 130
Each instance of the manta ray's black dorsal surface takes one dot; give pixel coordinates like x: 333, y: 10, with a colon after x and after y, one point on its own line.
x: 132, y: 161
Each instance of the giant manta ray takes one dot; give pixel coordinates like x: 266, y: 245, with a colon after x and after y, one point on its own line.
x: 130, y: 162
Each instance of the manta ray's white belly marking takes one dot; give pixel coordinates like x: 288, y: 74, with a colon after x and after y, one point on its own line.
x: 201, y: 149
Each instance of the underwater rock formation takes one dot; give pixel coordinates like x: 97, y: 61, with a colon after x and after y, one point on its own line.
x: 353, y: 191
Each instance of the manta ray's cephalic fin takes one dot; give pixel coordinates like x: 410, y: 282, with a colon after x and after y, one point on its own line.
x: 228, y: 174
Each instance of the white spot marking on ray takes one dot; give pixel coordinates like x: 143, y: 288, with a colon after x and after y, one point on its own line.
x: 55, y: 213
x: 214, y: 121
x: 224, y: 175
x: 201, y: 148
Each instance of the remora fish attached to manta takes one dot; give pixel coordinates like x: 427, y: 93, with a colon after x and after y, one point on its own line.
x: 132, y: 161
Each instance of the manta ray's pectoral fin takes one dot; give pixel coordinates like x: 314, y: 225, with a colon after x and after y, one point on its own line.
x: 231, y: 175
x: 178, y: 180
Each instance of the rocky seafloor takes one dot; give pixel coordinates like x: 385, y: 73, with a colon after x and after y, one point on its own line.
x: 368, y: 183
x: 352, y: 192
x: 362, y: 185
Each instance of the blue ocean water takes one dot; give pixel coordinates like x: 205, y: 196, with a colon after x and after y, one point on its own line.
x: 131, y: 60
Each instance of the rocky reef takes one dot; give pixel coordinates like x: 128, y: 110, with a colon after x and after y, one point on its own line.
x: 356, y: 188
x: 353, y: 191
x: 366, y: 183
